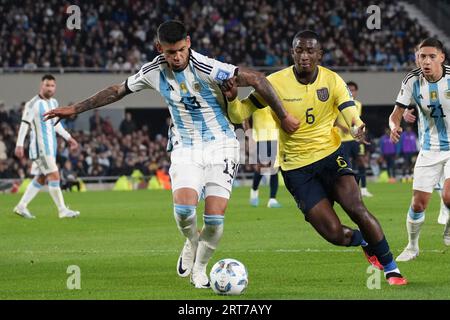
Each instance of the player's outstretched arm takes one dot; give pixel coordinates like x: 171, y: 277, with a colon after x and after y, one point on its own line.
x: 238, y: 111
x: 395, y: 120
x: 104, y: 97
x: 257, y: 80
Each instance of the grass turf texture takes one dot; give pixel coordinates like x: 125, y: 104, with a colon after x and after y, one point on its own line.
x: 127, y: 244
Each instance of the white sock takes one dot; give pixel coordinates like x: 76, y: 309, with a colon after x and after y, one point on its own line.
x: 414, y: 221
x: 254, y: 194
x: 186, y: 219
x: 447, y: 228
x: 32, y: 190
x: 209, y: 239
x: 56, y: 193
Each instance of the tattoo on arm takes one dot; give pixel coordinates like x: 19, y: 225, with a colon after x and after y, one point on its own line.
x: 258, y: 81
x: 106, y: 96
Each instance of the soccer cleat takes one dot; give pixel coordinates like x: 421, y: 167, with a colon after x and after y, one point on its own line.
x: 273, y: 203
x: 366, y: 193
x: 23, y: 212
x: 185, y: 260
x: 443, y: 215
x: 200, y: 280
x: 408, y: 254
x: 396, y: 279
x: 373, y: 260
x: 447, y: 240
x: 67, y: 213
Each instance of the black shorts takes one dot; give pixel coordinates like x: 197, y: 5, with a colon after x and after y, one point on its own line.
x: 267, y: 152
x: 353, y: 149
x: 314, y: 182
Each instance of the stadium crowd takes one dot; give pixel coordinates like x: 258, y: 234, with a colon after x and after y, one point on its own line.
x: 248, y: 32
x: 103, y: 151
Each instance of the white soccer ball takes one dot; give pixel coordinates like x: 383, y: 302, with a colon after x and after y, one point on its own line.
x: 229, y: 277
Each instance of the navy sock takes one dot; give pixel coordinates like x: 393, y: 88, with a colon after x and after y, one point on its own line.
x: 256, y: 180
x: 273, y: 185
x: 384, y: 255
x: 357, y: 239
x: 362, y: 176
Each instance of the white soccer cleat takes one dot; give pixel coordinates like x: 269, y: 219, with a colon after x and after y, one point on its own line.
x: 408, y: 254
x: 366, y: 193
x: 447, y: 240
x: 273, y: 203
x: 200, y: 280
x: 67, y: 213
x: 443, y: 215
x: 185, y: 260
x: 23, y: 212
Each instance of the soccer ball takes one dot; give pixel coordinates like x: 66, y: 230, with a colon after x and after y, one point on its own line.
x: 229, y: 277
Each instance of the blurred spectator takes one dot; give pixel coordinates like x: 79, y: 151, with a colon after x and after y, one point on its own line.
x: 389, y: 152
x: 95, y: 122
x: 408, y: 145
x: 120, y: 37
x: 127, y: 126
x: 69, y: 177
x: 3, y: 155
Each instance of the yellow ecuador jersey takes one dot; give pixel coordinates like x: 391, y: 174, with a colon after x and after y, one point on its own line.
x: 264, y: 126
x: 315, y: 105
x: 341, y: 121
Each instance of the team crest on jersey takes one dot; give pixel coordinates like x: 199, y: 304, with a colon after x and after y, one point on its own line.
x: 196, y: 86
x: 323, y: 94
x: 433, y: 96
x: 222, y: 75
x: 447, y: 94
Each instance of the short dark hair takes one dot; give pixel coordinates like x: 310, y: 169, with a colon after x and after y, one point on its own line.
x: 171, y: 31
x: 432, y: 42
x: 48, y: 77
x: 352, y: 83
x: 306, y: 34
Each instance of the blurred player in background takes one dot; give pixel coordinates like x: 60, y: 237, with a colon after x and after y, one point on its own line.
x: 353, y: 150
x: 203, y: 145
x: 265, y: 133
x: 429, y: 87
x: 314, y: 168
x: 42, y: 149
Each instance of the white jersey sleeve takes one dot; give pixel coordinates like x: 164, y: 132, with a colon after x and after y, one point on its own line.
x: 405, y: 95
x: 28, y: 112
x: 146, y: 77
x: 213, y: 71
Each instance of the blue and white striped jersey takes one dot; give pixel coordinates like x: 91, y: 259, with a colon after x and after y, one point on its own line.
x: 43, y: 133
x: 433, y: 101
x: 196, y: 103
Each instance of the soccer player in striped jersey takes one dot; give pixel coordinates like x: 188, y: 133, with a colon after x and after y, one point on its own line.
x: 429, y: 87
x: 42, y: 149
x: 314, y: 167
x: 205, y: 151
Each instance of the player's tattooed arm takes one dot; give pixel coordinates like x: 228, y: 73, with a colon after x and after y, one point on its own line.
x: 106, y: 96
x: 257, y: 80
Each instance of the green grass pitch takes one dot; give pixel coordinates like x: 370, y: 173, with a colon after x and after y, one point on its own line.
x: 126, y: 245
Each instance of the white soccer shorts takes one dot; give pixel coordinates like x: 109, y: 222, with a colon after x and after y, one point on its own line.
x: 44, y: 165
x: 429, y: 169
x: 212, y: 167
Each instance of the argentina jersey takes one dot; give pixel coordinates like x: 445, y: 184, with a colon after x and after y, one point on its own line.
x: 196, y: 103
x: 433, y: 101
x: 43, y: 136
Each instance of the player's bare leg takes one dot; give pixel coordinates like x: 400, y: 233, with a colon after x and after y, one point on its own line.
x: 54, y: 189
x: 30, y: 193
x: 414, y: 222
x: 185, y: 203
x: 347, y: 195
x: 210, y: 236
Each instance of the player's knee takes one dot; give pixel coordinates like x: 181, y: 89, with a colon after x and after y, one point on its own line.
x: 446, y: 197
